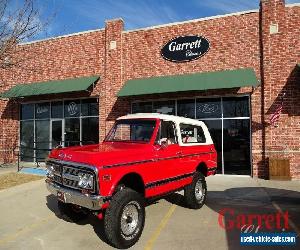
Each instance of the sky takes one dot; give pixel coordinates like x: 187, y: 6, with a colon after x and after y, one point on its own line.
x: 71, y: 16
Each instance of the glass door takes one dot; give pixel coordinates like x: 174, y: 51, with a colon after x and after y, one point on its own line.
x: 56, y: 133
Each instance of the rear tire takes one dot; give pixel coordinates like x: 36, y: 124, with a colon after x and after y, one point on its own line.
x: 125, y: 218
x: 71, y: 212
x: 195, y: 193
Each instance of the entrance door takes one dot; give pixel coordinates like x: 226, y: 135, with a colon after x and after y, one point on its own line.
x: 56, y: 133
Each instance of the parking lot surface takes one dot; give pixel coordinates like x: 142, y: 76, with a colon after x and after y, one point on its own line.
x: 30, y: 219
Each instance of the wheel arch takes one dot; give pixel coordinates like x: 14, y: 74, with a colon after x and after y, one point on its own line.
x: 132, y: 180
x: 202, y: 168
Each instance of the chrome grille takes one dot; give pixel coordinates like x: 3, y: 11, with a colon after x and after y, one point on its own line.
x: 67, y: 174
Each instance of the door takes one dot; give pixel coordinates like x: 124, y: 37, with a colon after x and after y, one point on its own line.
x: 72, y: 132
x: 167, y: 157
x: 56, y: 133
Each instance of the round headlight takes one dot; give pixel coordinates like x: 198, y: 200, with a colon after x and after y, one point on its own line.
x: 50, y: 171
x: 85, y: 180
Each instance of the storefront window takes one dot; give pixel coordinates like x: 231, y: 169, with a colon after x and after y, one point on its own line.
x: 236, y: 106
x: 57, y: 110
x: 42, y: 110
x: 72, y: 108
x: 186, y: 108
x: 164, y: 107
x: 27, y: 111
x: 72, y: 132
x: 236, y: 146
x: 42, y: 132
x: 49, y: 124
x: 142, y: 107
x: 208, y: 108
x: 89, y: 107
x: 27, y: 141
x: 215, y: 129
x: 90, y: 130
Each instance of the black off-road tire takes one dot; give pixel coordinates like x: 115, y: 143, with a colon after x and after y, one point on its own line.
x: 192, y: 200
x: 70, y: 212
x: 121, y: 203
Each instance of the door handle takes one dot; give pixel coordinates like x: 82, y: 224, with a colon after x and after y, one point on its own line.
x: 179, y: 153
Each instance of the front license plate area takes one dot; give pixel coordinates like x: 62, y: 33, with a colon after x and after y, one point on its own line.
x: 61, y: 196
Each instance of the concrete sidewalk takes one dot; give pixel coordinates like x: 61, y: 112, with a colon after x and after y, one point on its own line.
x: 30, y: 218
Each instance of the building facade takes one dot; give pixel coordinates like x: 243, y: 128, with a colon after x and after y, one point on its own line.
x: 69, y: 90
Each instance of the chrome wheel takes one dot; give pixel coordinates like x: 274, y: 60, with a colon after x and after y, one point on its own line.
x: 199, y: 190
x: 130, y: 218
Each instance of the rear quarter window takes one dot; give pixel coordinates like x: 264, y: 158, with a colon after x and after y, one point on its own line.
x: 192, y: 134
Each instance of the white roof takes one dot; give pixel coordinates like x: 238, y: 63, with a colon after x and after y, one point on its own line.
x: 176, y: 119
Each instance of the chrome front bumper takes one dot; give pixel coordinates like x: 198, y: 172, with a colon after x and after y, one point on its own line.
x: 93, y: 202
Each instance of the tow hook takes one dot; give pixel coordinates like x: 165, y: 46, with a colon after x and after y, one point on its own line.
x: 100, y: 215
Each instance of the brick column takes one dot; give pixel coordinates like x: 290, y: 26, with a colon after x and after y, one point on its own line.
x: 110, y: 107
x: 274, y: 72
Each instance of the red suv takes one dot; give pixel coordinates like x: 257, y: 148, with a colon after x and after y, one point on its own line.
x: 144, y: 156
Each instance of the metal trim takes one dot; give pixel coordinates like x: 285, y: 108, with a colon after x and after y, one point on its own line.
x: 80, y: 166
x: 93, y: 202
x: 168, y: 180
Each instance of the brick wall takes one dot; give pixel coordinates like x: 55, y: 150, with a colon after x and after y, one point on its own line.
x: 237, y: 41
x: 54, y: 59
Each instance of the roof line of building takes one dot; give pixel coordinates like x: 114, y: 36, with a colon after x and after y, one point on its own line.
x: 194, y: 20
x: 292, y: 5
x: 155, y: 26
x: 63, y: 36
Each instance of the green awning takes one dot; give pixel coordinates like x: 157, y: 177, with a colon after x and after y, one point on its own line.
x: 190, y: 82
x: 50, y: 87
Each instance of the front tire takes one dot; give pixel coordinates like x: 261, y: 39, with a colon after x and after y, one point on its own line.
x: 71, y: 212
x: 125, y: 218
x: 195, y: 193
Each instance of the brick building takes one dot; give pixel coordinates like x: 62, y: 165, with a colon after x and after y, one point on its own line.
x: 68, y: 88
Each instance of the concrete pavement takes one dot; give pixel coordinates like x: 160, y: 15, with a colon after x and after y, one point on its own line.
x: 30, y: 219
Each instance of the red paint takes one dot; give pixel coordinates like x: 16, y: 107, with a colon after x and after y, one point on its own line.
x: 151, y: 162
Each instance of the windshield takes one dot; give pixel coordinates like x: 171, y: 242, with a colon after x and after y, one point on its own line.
x: 132, y: 131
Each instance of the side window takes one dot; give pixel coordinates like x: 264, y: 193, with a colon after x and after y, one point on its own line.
x: 192, y: 134
x: 167, y: 133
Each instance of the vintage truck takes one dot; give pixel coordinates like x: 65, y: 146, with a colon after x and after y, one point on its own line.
x: 143, y: 157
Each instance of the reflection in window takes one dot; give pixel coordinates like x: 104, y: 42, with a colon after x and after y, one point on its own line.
x: 27, y: 111
x: 236, y: 106
x: 186, y: 108
x: 208, y: 108
x: 142, y: 107
x: 42, y: 110
x: 164, y: 107
x: 57, y: 109
x: 89, y: 107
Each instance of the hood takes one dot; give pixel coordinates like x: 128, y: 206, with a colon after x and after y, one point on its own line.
x: 106, y: 153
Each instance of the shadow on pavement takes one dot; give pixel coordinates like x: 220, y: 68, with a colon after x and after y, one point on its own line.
x: 98, y: 225
x: 251, y: 206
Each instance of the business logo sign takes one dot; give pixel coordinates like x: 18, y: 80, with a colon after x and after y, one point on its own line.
x: 185, y: 48
x: 72, y: 108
